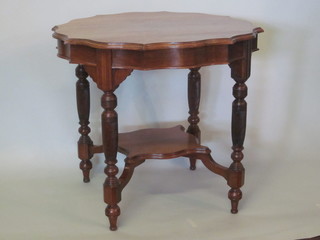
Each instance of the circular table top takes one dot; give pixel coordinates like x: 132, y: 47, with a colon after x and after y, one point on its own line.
x: 154, y: 30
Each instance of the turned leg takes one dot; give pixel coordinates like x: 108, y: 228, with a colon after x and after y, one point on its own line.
x: 83, y: 105
x: 112, y: 191
x: 194, y: 89
x: 240, y: 72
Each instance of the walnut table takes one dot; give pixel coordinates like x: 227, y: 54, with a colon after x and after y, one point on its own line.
x: 109, y: 47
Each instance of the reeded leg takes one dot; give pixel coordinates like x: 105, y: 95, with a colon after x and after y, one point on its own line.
x: 112, y: 191
x: 83, y: 105
x: 240, y: 72
x: 194, y: 90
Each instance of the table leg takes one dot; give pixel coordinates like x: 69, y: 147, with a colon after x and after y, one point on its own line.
x: 194, y: 90
x: 240, y: 72
x: 112, y: 191
x: 83, y: 106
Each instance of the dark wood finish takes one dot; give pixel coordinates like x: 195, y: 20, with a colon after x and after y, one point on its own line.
x: 109, y: 120
x: 240, y: 72
x: 109, y: 47
x: 163, y: 143
x: 154, y: 30
x: 83, y: 105
x: 145, y: 60
x: 194, y: 90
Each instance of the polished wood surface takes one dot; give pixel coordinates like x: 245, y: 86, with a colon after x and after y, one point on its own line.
x: 154, y: 30
x: 240, y: 72
x: 108, y: 48
x: 109, y: 120
x: 83, y: 106
x: 194, y: 91
x: 159, y: 143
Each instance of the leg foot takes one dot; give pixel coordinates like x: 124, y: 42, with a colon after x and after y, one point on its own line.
x: 112, y: 212
x: 86, y: 166
x: 193, y: 163
x: 234, y: 195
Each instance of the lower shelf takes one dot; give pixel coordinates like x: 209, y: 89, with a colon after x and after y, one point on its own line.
x: 160, y: 143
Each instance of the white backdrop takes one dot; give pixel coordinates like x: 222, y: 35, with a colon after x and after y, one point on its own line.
x: 38, y: 130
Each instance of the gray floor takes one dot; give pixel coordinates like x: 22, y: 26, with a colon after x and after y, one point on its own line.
x: 164, y: 200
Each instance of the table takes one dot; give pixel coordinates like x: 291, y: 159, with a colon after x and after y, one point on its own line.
x: 109, y: 47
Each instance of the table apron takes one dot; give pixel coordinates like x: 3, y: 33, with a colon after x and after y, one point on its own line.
x: 157, y: 59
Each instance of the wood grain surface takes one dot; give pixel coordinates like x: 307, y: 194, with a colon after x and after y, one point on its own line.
x: 154, y: 30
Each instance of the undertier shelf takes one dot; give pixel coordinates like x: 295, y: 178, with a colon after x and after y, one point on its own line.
x: 160, y: 143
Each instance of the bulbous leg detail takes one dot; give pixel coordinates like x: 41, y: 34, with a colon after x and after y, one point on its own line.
x: 234, y: 195
x: 86, y: 166
x: 112, y: 212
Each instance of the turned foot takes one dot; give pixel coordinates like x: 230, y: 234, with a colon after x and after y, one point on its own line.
x: 193, y: 163
x: 86, y: 166
x: 234, y: 195
x: 112, y: 212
